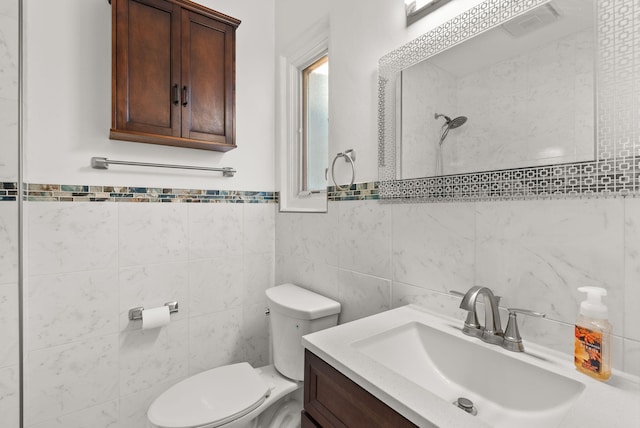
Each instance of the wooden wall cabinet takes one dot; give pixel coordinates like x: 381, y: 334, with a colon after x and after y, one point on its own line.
x: 173, y: 74
x: 332, y: 400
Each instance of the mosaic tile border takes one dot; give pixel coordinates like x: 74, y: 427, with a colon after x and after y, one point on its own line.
x: 35, y: 192
x: 85, y: 193
x: 8, y: 191
x: 577, y: 180
x: 615, y: 170
x: 357, y: 192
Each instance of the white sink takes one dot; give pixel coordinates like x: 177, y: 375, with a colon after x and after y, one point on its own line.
x: 418, y: 362
x: 506, y: 391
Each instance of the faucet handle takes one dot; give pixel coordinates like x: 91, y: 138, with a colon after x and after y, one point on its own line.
x: 512, y: 339
x: 526, y: 312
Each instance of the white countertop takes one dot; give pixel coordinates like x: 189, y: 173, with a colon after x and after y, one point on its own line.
x: 611, y: 404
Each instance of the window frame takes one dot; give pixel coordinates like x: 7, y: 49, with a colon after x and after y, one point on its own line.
x: 289, y: 123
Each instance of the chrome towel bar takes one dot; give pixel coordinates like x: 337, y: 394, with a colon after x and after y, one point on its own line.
x: 103, y: 163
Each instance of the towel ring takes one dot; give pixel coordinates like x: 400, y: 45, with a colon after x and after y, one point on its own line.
x: 349, y: 156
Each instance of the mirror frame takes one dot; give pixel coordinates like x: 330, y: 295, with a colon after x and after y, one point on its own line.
x: 613, y: 172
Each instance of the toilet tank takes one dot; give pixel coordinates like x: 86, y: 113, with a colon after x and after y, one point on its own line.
x: 294, y: 312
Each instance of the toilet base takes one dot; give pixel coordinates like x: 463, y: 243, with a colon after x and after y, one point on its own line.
x: 285, y: 414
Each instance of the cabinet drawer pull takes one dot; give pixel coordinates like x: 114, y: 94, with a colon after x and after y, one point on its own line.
x: 185, y: 96
x: 176, y: 94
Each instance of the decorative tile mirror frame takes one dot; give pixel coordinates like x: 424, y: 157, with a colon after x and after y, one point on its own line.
x: 613, y: 172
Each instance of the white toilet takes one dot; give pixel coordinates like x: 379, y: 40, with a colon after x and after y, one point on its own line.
x: 239, y: 396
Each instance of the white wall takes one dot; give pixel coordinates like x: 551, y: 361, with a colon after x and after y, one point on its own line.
x: 68, y: 102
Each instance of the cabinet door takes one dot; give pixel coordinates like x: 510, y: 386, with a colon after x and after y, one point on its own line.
x: 208, y: 83
x: 333, y: 400
x: 147, y: 59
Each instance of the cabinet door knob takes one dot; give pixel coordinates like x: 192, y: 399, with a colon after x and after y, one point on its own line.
x: 185, y: 96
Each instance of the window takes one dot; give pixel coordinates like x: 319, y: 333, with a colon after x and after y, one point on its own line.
x: 315, y: 125
x: 302, y: 117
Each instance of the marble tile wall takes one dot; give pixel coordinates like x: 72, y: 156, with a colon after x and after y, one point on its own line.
x: 9, y: 329
x: 89, y: 262
x: 372, y: 256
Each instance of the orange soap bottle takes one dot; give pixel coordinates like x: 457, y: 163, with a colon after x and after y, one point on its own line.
x: 592, y: 348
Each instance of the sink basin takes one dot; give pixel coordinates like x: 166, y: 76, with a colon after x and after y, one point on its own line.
x: 507, y: 390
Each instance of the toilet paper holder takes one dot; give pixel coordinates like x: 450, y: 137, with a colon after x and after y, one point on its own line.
x: 135, y: 314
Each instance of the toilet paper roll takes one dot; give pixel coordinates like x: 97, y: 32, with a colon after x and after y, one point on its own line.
x: 156, y: 317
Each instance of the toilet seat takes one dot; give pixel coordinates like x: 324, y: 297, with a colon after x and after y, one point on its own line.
x: 212, y: 398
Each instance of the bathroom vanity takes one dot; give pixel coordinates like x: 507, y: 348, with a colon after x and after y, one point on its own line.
x: 408, y: 366
x: 333, y: 400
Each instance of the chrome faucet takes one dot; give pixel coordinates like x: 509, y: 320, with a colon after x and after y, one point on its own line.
x: 492, y: 331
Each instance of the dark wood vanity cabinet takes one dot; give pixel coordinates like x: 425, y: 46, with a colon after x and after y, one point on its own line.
x: 173, y: 74
x: 331, y: 400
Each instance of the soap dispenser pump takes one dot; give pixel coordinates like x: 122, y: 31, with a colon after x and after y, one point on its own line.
x: 592, y: 348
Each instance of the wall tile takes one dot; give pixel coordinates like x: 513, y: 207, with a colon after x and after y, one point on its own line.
x: 215, y: 340
x: 8, y: 242
x: 9, y: 8
x: 632, y: 269
x: 9, y: 332
x: 215, y: 230
x: 632, y: 357
x: 71, y: 377
x: 258, y: 276
x: 101, y: 416
x: 433, y: 245
x: 9, y: 141
x: 546, y: 332
x: 152, y: 233
x: 536, y: 253
x: 315, y: 276
x: 152, y: 286
x: 259, y: 228
x: 442, y: 303
x: 362, y: 295
x: 255, y: 334
x: 364, y: 230
x: 319, y: 236
x: 215, y: 284
x: 66, y: 237
x: 148, y: 357
x: 9, y: 397
x: 70, y: 307
x: 133, y: 407
x: 9, y: 53
x: 289, y: 228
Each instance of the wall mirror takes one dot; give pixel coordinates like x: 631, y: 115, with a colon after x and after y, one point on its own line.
x: 514, y: 99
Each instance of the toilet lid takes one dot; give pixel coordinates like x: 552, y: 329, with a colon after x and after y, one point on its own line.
x: 211, y: 398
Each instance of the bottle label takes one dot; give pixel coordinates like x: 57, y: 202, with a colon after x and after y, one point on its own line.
x: 588, y: 349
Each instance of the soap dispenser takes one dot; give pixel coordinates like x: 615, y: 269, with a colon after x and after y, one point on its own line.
x: 592, y: 348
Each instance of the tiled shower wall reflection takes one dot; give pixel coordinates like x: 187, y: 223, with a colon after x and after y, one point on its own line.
x: 505, y: 102
x: 372, y: 256
x: 89, y: 262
